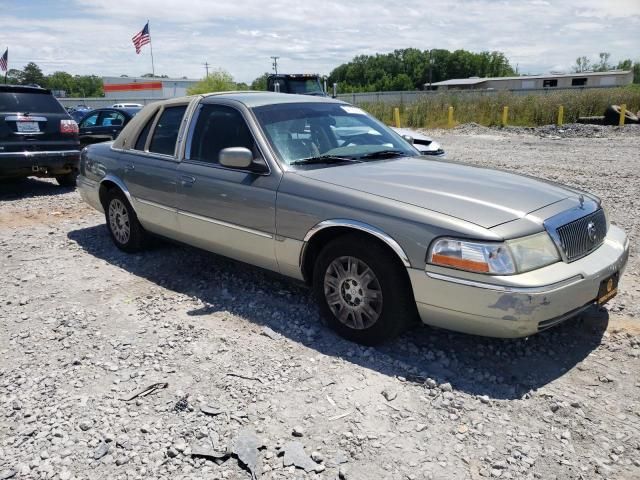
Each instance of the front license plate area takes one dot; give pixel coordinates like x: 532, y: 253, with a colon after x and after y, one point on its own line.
x: 28, y: 127
x: 608, y: 289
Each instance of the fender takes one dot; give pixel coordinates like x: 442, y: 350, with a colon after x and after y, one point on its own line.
x: 120, y: 184
x: 356, y: 225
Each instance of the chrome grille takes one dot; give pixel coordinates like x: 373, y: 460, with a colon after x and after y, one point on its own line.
x: 575, y: 238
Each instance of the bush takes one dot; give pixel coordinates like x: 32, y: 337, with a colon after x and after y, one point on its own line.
x: 485, y: 108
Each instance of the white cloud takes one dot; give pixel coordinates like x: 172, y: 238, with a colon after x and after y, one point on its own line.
x: 94, y: 36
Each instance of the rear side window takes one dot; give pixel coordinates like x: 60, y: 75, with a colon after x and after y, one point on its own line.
x: 165, y: 134
x: 22, y: 102
x: 142, y: 138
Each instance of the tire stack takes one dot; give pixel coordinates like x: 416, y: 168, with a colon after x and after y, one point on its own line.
x: 612, y: 116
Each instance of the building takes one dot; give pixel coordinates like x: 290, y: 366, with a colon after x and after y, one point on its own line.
x: 145, y: 88
x: 614, y: 78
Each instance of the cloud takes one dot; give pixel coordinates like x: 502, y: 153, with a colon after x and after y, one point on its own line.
x: 94, y: 36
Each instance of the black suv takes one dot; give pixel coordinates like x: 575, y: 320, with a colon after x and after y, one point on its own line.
x: 37, y: 136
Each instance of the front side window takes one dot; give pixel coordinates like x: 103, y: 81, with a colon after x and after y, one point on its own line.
x: 90, y: 121
x: 219, y: 127
x: 165, y: 134
x: 301, y: 131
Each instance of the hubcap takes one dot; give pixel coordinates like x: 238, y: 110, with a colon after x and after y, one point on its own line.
x: 353, y: 292
x: 119, y: 221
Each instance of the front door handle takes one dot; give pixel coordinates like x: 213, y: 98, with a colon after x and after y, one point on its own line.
x: 187, y: 180
x: 129, y: 167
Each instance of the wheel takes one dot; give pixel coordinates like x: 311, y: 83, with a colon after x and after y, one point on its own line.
x: 123, y: 224
x: 612, y: 116
x: 363, y: 291
x: 67, y: 180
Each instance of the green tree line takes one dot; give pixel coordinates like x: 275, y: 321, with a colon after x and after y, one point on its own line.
x: 73, y: 85
x: 411, y: 69
x: 583, y: 64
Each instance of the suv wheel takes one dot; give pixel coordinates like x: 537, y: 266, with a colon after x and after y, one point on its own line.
x: 363, y: 292
x: 122, y: 222
x: 67, y: 180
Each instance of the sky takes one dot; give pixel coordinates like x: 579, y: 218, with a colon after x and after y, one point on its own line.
x: 240, y: 36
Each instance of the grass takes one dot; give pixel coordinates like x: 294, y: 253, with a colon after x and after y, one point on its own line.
x: 431, y: 111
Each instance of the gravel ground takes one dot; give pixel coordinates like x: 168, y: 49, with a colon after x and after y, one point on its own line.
x: 247, y: 377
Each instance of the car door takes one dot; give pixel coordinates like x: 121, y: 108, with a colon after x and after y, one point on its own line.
x: 150, y: 170
x: 225, y: 210
x: 100, y: 126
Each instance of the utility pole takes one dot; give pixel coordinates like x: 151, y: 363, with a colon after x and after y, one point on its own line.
x: 206, y: 67
x: 430, y: 69
x: 275, y: 64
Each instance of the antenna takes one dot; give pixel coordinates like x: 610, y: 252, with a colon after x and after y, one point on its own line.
x: 275, y: 64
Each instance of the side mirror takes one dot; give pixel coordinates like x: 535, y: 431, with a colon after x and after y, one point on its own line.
x: 235, y: 157
x: 408, y: 138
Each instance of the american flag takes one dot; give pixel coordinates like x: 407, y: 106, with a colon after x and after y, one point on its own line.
x: 141, y: 38
x: 4, y: 60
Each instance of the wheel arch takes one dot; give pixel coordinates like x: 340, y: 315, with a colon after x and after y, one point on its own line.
x: 327, y: 230
x: 109, y: 182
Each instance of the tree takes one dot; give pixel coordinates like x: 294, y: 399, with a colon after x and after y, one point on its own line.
x: 15, y: 76
x: 32, y: 75
x: 260, y: 83
x: 410, y: 68
x: 604, y: 66
x: 625, y: 64
x: 218, y: 81
x: 582, y: 65
x: 151, y: 75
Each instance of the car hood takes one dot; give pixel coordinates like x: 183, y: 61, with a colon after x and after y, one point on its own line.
x: 478, y: 195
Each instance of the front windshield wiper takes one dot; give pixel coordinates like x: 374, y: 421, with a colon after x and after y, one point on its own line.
x: 320, y: 159
x: 383, y: 154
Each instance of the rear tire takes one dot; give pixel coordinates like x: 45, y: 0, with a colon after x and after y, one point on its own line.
x: 67, y: 180
x: 363, y: 291
x: 122, y: 222
x: 612, y: 116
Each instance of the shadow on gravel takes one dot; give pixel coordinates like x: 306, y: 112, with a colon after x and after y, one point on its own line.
x: 498, y: 368
x: 29, y: 187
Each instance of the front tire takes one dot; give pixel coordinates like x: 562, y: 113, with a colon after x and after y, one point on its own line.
x: 122, y: 222
x: 363, y: 291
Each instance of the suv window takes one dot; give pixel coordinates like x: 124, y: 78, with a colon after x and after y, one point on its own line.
x: 219, y: 127
x: 165, y: 134
x: 31, y: 102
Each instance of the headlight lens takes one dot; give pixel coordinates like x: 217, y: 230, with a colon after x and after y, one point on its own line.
x: 533, y: 252
x: 513, y: 256
x: 472, y: 256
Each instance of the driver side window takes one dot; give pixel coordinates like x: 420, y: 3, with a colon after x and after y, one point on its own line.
x: 219, y: 127
x: 90, y: 121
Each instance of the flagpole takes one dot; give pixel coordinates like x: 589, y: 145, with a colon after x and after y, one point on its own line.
x: 7, y: 70
x: 153, y: 70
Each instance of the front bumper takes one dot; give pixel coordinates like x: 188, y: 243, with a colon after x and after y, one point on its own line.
x: 24, y: 164
x: 517, y: 305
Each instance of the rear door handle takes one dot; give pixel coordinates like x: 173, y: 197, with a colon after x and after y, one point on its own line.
x: 187, y: 180
x: 129, y: 167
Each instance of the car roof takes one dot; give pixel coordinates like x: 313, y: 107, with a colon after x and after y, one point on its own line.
x: 258, y: 99
x: 23, y: 89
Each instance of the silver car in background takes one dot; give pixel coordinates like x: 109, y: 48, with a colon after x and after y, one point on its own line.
x: 318, y: 190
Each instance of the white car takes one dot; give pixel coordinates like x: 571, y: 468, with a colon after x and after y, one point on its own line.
x: 426, y: 145
x: 127, y: 105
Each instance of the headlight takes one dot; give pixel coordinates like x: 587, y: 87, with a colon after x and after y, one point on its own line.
x: 513, y: 256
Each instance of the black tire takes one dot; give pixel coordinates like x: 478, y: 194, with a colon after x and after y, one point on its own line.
x: 67, y: 180
x: 612, y: 116
x: 397, y: 309
x: 121, y: 218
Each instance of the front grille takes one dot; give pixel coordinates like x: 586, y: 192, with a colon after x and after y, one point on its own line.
x: 580, y: 237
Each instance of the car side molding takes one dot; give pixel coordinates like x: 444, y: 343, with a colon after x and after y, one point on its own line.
x: 356, y: 225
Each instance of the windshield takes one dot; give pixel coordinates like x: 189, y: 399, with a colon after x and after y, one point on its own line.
x: 303, y: 85
x: 299, y: 131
